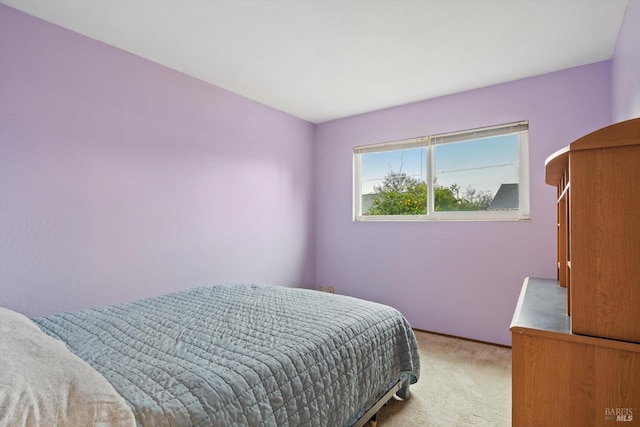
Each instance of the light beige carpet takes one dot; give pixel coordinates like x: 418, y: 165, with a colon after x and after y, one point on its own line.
x: 462, y: 383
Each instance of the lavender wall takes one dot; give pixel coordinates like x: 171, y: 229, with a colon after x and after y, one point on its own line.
x: 459, y: 278
x: 625, y: 66
x: 120, y: 178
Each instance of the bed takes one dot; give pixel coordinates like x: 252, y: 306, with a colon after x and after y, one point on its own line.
x: 229, y: 355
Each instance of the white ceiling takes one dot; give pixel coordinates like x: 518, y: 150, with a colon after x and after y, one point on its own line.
x: 326, y: 59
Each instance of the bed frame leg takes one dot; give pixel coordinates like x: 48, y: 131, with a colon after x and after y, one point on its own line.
x: 404, y: 393
x: 373, y: 422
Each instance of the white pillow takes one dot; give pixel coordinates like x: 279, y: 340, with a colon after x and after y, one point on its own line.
x: 43, y: 384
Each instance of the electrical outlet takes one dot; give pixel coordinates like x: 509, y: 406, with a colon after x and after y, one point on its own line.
x: 330, y: 289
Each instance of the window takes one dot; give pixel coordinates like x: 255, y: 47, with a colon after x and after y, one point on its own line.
x: 479, y: 174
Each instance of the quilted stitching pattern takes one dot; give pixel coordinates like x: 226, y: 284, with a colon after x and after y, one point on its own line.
x: 243, y: 355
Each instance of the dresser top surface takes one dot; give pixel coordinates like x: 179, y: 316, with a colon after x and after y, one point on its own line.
x: 543, y: 306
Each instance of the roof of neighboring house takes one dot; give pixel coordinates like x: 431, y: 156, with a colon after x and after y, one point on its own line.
x: 505, y: 198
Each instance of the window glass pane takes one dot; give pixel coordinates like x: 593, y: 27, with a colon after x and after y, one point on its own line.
x: 394, y: 182
x: 477, y: 174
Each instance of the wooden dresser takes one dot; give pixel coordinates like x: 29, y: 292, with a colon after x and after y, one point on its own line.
x: 576, y: 340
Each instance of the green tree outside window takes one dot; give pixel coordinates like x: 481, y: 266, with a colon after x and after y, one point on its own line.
x: 400, y: 194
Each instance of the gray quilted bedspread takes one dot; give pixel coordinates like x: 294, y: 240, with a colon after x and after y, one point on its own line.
x: 243, y: 355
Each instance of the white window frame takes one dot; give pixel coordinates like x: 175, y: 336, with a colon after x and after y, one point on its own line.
x: 522, y: 213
